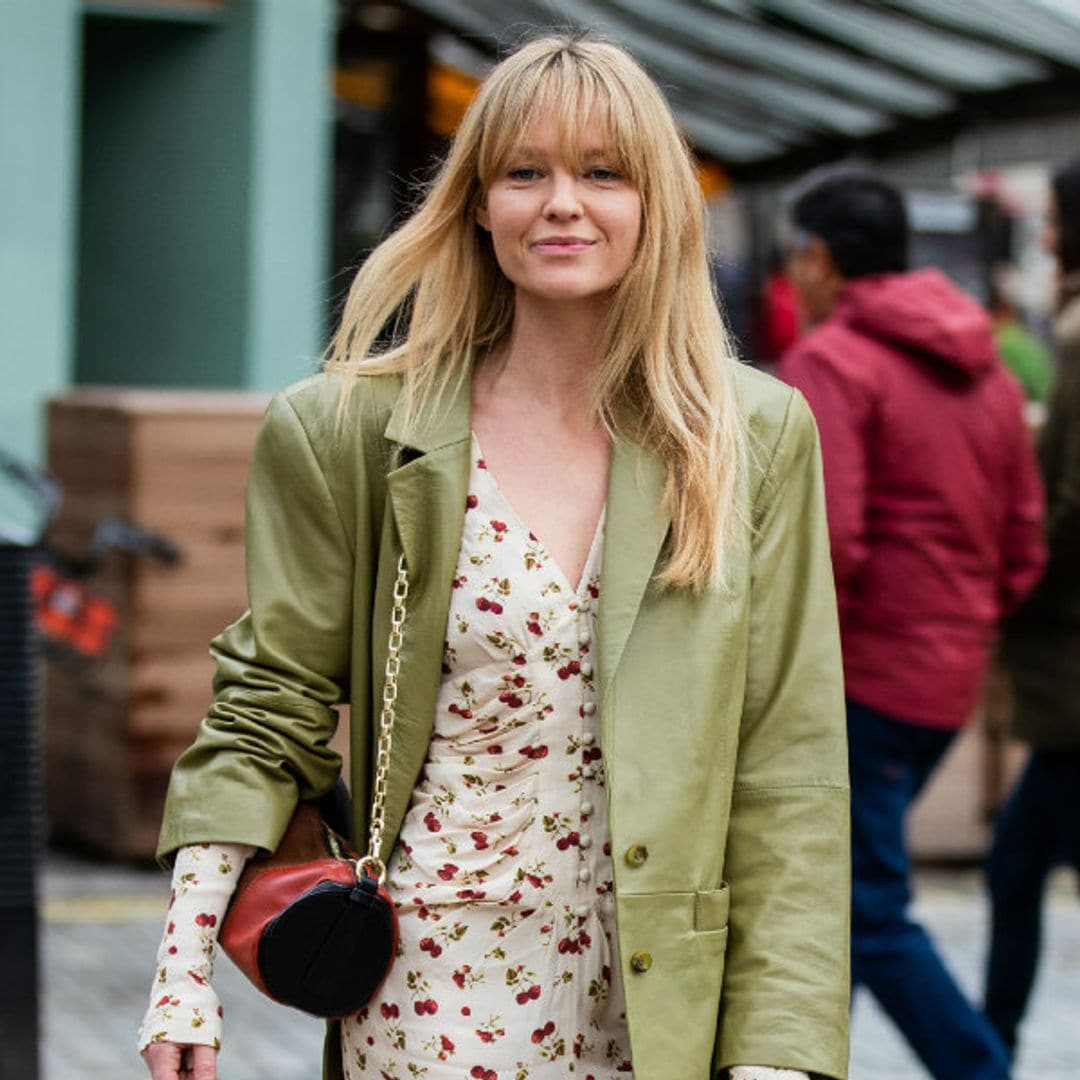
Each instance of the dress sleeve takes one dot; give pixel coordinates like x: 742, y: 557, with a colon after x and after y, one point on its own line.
x: 183, y: 1007
x: 786, y: 982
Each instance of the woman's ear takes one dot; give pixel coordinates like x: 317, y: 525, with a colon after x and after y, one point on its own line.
x: 483, y: 219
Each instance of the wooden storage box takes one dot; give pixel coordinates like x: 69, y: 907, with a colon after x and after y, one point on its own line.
x: 174, y: 462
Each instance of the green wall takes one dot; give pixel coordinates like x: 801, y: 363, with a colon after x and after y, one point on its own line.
x: 205, y: 188
x: 39, y: 61
x: 164, y: 198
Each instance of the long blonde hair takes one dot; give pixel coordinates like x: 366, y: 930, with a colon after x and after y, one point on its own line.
x: 663, y: 372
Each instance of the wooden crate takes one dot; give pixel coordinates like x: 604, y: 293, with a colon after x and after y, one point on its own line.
x: 175, y: 462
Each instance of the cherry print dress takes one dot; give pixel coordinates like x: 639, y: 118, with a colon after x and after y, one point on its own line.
x: 502, y: 874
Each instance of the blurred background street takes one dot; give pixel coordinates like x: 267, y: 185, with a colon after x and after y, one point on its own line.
x: 102, y: 926
x: 188, y: 187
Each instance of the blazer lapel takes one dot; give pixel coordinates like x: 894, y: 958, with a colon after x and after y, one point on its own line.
x: 636, y: 526
x: 427, y: 501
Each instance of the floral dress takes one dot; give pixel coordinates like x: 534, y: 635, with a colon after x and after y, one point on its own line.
x: 507, y: 968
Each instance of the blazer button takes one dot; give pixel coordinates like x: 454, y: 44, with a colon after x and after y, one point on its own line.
x: 636, y: 855
x: 640, y: 962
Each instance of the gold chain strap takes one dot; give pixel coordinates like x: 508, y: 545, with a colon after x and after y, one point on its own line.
x: 371, y: 861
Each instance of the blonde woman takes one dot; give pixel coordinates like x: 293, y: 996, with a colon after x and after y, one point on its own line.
x: 617, y: 823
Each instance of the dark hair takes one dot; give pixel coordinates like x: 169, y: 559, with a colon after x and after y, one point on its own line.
x: 858, y: 215
x: 1066, y: 184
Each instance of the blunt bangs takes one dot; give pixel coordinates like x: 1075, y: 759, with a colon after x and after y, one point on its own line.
x: 581, y: 90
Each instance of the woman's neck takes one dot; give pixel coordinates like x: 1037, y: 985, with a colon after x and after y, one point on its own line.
x: 549, y: 357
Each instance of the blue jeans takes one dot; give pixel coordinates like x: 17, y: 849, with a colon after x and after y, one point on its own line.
x: 892, y: 956
x: 1038, y: 830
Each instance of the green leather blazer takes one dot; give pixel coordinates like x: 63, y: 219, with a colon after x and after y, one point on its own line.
x: 722, y: 715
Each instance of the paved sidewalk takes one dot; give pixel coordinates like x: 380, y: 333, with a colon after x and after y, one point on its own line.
x: 101, y: 927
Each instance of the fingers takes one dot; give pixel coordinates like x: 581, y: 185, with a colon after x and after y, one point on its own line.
x: 163, y: 1060
x: 204, y: 1061
x: 168, y: 1061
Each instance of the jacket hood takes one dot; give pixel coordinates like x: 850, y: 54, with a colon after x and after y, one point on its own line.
x: 924, y: 313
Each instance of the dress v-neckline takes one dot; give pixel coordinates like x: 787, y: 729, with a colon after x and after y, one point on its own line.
x: 481, y: 463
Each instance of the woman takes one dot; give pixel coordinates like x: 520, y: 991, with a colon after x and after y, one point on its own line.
x: 1040, y: 826
x: 619, y: 763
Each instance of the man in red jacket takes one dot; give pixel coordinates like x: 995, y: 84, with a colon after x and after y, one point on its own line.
x: 935, y: 516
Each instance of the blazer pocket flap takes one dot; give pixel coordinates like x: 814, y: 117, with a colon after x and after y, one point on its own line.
x: 711, y: 909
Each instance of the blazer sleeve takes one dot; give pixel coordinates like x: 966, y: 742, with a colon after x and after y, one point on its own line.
x: 787, y: 982
x: 282, y: 667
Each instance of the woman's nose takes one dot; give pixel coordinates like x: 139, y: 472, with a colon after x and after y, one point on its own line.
x: 563, y: 201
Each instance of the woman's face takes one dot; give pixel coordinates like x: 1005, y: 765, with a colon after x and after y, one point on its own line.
x: 562, y: 233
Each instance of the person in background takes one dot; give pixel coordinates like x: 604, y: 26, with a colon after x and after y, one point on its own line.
x: 1024, y: 354
x: 1040, y: 826
x: 935, y: 514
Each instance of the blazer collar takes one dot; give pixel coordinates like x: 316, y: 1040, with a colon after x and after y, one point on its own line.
x: 636, y: 526
x: 445, y: 419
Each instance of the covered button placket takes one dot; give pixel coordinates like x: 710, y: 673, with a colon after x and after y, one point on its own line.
x: 594, y: 874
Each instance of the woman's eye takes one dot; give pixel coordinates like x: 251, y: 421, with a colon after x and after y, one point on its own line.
x: 604, y: 175
x: 523, y: 172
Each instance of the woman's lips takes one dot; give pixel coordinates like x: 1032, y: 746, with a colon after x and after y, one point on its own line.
x: 562, y: 245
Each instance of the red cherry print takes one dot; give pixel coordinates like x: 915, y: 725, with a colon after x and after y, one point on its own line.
x: 483, y: 603
x: 431, y: 1007
x: 480, y: 840
x: 221, y: 1010
x: 163, y: 1001
x: 496, y: 607
x: 486, y: 1037
x: 498, y: 526
x: 533, y: 626
x: 563, y: 673
x: 465, y: 714
x: 195, y: 977
x: 519, y: 659
x: 575, y: 667
x: 426, y: 944
x: 446, y: 1044
x: 562, y: 843
x: 471, y: 502
x: 432, y: 822
x: 420, y: 1007
x: 466, y: 1011
x: 172, y: 927
x: 538, y: 1035
x: 495, y: 748
x: 574, y: 838
x: 202, y: 919
x: 522, y: 997
x: 549, y: 1027
x: 172, y: 950
x: 534, y: 992
x: 447, y: 871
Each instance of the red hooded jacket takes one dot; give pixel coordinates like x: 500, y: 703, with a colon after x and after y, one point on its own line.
x: 934, y: 500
